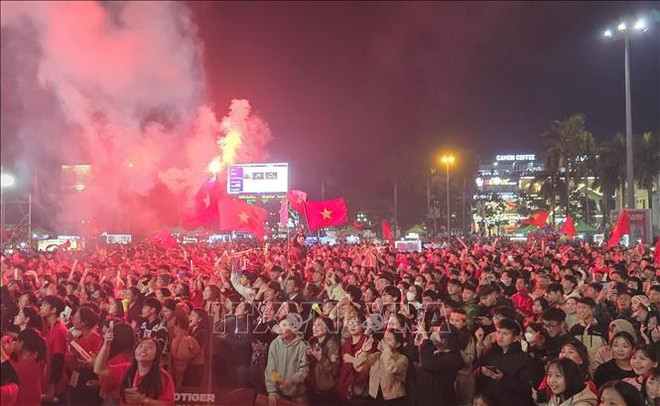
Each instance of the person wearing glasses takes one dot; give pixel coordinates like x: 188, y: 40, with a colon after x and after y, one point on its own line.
x: 554, y: 323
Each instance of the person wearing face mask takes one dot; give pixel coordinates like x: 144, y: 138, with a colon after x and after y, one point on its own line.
x: 414, y: 296
x: 566, y: 382
x: 537, y: 340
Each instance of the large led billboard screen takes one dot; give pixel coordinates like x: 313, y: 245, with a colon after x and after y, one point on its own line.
x: 256, y: 179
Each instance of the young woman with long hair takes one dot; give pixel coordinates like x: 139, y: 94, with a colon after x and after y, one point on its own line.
x: 121, y: 352
x: 28, y: 317
x: 30, y: 366
x: 566, y: 383
x: 200, y: 330
x: 143, y: 381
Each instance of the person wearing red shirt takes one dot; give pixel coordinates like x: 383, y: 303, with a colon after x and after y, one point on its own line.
x: 121, y: 352
x: 8, y: 381
x: 522, y: 300
x: 30, y: 366
x: 143, y: 382
x: 81, y: 392
x: 56, y: 341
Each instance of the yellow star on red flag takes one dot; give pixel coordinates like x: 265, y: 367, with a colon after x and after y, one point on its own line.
x: 244, y: 217
x: 327, y: 214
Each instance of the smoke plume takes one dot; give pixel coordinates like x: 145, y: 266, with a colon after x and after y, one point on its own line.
x: 119, y: 86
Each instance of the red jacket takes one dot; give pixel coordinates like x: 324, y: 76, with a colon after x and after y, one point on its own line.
x: 523, y: 301
x: 352, y: 383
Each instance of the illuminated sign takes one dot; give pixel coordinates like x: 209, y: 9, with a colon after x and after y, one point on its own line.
x: 257, y: 179
x: 495, y: 181
x: 516, y: 157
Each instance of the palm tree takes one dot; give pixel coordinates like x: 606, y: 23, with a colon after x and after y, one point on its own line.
x: 610, y: 170
x: 647, y: 162
x: 571, y: 149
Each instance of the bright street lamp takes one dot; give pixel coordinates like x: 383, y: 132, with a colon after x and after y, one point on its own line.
x: 448, y: 160
x: 625, y: 34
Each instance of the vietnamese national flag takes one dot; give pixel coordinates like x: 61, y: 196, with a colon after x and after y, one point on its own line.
x: 235, y: 215
x: 327, y: 213
x: 297, y: 198
x: 569, y: 228
x: 205, y: 209
x: 387, y: 232
x: 538, y: 219
x: 622, y: 228
x: 656, y: 254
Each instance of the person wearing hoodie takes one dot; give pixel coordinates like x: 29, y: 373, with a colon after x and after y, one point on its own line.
x: 566, y: 382
x: 506, y: 372
x: 287, y: 367
x: 604, y: 353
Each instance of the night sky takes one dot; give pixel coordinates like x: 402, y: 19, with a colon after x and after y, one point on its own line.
x: 345, y: 86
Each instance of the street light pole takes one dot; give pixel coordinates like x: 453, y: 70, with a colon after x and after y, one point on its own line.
x: 448, y: 214
x: 630, y: 176
x: 624, y: 31
x: 448, y: 160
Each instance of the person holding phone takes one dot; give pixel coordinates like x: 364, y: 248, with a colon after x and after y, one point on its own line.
x: 506, y: 372
x: 143, y: 381
x: 82, y: 392
x: 323, y: 353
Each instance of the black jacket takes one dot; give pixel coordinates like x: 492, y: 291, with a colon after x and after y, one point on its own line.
x: 520, y: 374
x: 436, y: 376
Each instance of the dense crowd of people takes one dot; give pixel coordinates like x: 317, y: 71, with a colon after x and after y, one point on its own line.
x: 477, y: 322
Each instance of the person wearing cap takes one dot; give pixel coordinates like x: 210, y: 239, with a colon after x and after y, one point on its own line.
x: 645, y: 319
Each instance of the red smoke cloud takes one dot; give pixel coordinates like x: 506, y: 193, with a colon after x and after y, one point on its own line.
x: 128, y: 81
